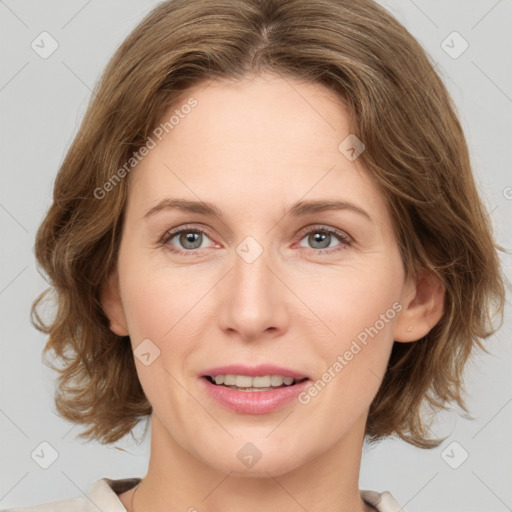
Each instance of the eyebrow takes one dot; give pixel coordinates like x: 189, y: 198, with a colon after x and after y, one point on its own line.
x: 298, y: 209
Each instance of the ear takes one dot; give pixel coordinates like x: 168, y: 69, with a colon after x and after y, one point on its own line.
x: 423, y: 306
x: 112, y: 306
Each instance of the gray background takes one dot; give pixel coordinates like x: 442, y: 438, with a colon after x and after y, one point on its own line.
x: 42, y: 102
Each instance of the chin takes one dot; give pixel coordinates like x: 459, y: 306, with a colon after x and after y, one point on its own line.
x: 274, y: 466
x: 258, y: 458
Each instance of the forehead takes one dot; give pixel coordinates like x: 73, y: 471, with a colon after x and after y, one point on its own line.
x: 253, y: 144
x: 286, y: 117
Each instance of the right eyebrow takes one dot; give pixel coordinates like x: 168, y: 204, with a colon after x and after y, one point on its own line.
x: 186, y: 205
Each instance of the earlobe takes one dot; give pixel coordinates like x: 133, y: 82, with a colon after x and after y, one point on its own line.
x: 112, y: 306
x: 423, y: 307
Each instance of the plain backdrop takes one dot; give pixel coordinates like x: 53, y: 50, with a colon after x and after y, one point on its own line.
x: 42, y: 102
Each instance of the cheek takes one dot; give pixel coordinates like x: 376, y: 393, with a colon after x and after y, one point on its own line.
x: 162, y: 305
x: 355, y: 301
x: 157, y: 299
x: 358, y: 312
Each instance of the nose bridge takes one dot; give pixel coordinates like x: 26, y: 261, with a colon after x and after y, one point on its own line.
x: 254, y: 302
x: 251, y: 275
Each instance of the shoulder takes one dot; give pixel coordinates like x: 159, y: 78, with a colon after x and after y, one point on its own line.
x: 73, y: 505
x: 102, y: 495
x: 382, y: 501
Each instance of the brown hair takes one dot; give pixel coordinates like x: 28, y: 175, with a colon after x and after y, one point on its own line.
x: 415, y: 151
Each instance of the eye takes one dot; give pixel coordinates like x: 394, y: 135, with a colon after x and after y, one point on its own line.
x: 187, y: 240
x: 321, y: 238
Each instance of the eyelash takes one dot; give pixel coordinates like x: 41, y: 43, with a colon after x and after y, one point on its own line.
x: 345, y: 240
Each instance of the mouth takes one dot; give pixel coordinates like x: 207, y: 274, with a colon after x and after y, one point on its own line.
x: 265, y: 391
x: 253, y: 383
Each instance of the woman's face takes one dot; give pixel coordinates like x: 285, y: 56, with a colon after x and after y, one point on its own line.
x: 273, y: 279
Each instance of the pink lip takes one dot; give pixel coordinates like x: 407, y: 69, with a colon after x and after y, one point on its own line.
x: 254, y: 371
x: 253, y: 402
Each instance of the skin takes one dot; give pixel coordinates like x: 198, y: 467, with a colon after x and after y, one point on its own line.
x: 253, y: 148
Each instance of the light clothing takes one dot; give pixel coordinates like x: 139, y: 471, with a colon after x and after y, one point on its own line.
x: 103, y: 496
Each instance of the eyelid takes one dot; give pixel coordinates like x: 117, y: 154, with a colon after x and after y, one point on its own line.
x: 329, y: 229
x: 346, y: 240
x: 171, y: 233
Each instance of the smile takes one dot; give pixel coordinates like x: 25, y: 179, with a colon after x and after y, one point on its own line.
x: 249, y: 383
x: 260, y: 397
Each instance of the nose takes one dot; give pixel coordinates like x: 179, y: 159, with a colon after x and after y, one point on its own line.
x: 253, y: 300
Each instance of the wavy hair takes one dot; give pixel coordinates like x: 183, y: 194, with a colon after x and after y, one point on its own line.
x: 415, y: 151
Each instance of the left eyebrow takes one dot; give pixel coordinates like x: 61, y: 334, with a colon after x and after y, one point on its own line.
x: 298, y: 209
x: 309, y: 207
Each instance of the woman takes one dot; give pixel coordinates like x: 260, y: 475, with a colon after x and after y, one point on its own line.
x: 267, y: 238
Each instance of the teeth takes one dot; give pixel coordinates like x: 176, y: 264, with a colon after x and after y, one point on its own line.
x: 246, y: 381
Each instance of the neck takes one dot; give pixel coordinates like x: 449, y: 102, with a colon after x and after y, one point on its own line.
x: 178, y: 480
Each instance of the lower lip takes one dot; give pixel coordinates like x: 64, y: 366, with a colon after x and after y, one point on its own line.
x: 254, y: 402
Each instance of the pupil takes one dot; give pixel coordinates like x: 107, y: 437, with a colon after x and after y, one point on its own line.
x: 189, y: 240
x: 320, y: 237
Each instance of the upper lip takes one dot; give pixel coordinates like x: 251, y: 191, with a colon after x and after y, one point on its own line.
x: 254, y: 371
